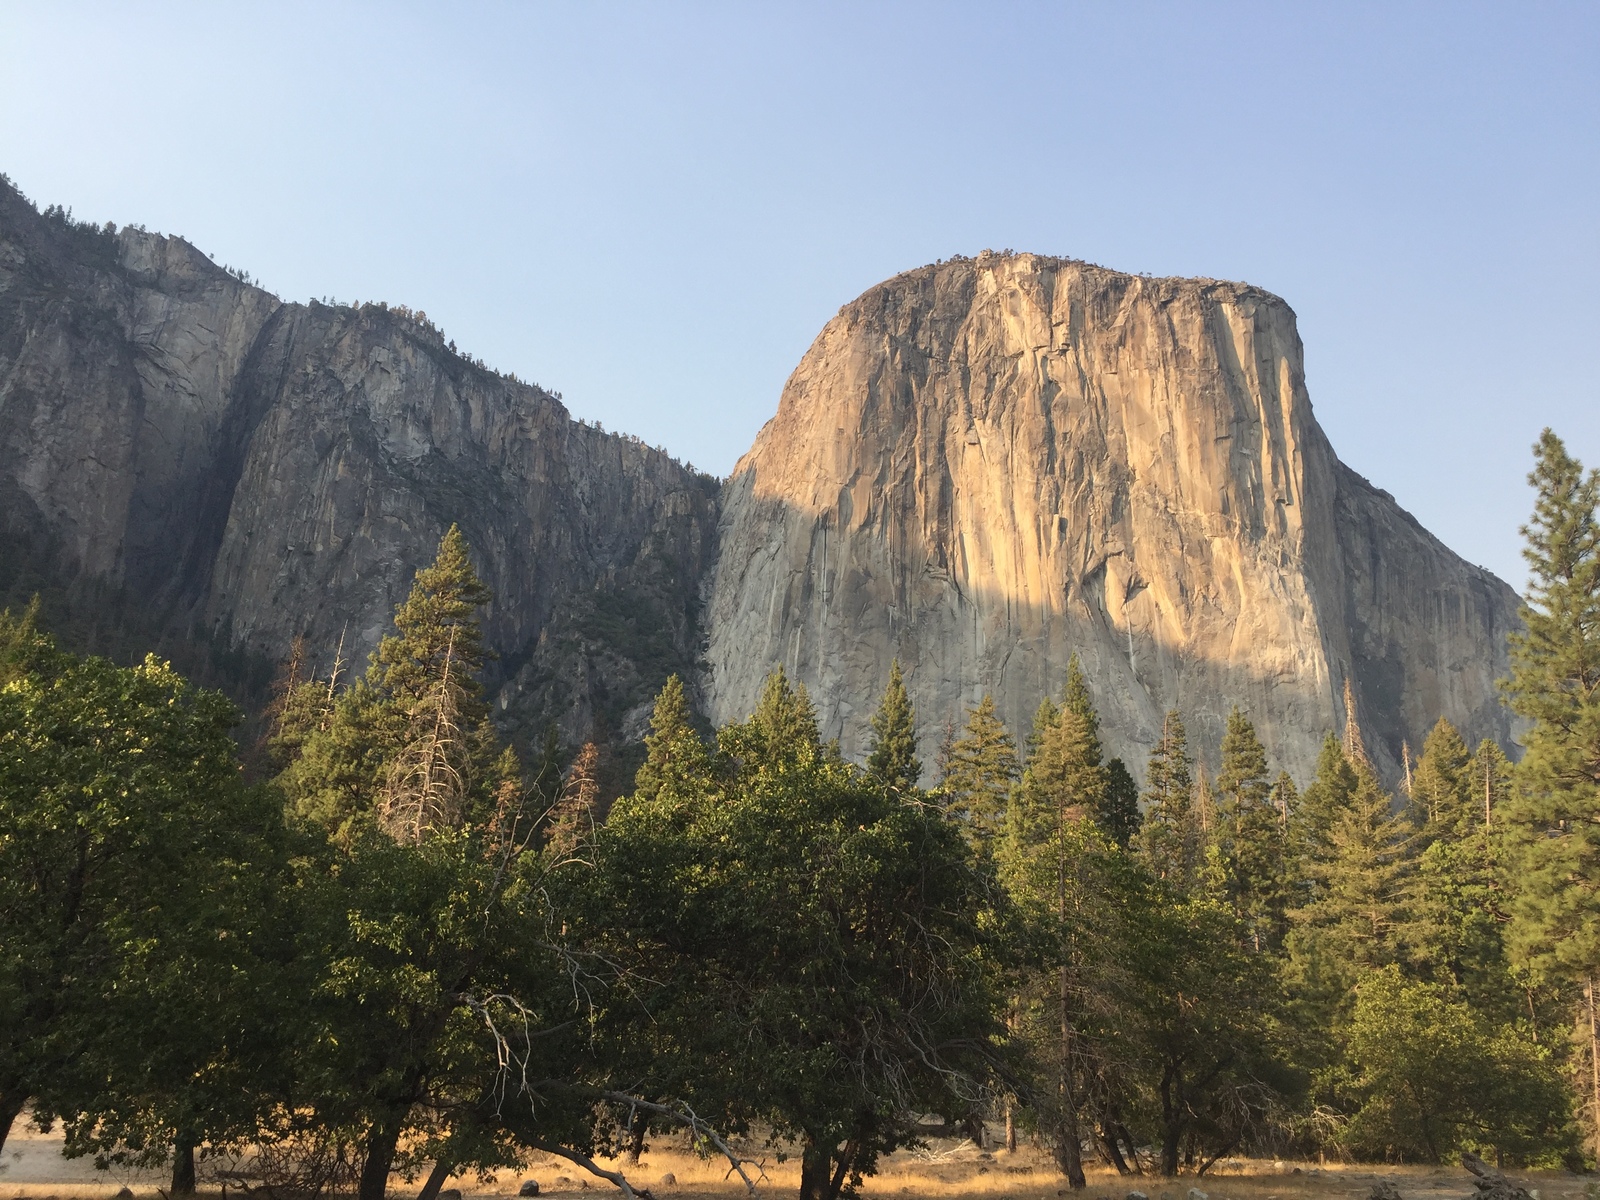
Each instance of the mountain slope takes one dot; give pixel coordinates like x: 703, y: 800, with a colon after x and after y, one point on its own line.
x: 243, y: 471
x: 987, y: 466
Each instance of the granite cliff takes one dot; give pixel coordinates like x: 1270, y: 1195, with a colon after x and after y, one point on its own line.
x: 981, y: 467
x: 985, y: 466
x: 216, y: 465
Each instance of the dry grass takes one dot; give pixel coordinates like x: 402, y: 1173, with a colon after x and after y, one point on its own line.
x: 950, y: 1171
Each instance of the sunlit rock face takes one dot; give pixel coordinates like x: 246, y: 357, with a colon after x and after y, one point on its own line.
x: 982, y: 467
x: 987, y: 466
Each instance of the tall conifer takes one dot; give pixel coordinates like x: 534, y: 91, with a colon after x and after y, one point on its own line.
x: 1555, y: 683
x: 893, y: 757
x: 1251, y: 840
x: 980, y: 771
x: 1168, y: 838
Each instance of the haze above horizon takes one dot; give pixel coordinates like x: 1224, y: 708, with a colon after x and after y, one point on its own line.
x: 653, y: 210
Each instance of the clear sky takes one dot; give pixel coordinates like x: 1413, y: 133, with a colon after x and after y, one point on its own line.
x: 653, y: 208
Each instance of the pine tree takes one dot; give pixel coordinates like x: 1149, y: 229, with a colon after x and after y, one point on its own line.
x: 980, y: 771
x: 1360, y: 909
x: 1440, y: 787
x: 893, y: 757
x: 1250, y: 838
x: 438, y: 633
x: 1322, y: 802
x: 1168, y: 839
x: 675, y: 756
x: 1553, y: 822
x: 1285, y: 800
x: 1065, y: 777
x: 781, y: 732
x: 1119, y: 809
x: 1488, y: 781
x: 1051, y: 820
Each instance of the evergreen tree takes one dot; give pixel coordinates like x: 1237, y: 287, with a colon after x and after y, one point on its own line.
x: 1049, y: 823
x: 1488, y: 781
x: 1119, y: 810
x: 892, y: 760
x: 1251, y: 841
x: 1553, y: 821
x: 1285, y: 800
x: 424, y: 912
x: 1168, y: 839
x: 980, y: 771
x: 1360, y: 911
x: 1440, y: 786
x: 675, y: 756
x: 1323, y: 801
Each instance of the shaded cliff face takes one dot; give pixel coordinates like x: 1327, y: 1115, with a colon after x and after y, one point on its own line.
x: 249, y: 471
x: 989, y: 465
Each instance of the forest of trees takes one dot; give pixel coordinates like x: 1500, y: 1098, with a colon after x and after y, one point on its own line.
x: 389, y: 948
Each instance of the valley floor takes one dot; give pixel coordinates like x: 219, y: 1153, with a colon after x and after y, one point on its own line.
x: 35, y: 1170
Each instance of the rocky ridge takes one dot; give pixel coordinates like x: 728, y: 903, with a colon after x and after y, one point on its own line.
x: 984, y: 467
x: 981, y: 467
x: 248, y: 470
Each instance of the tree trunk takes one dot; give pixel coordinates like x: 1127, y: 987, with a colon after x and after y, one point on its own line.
x: 183, y: 1180
x: 10, y: 1108
x: 436, y: 1177
x: 1128, y: 1142
x: 1011, y: 1128
x: 381, y: 1143
x: 1171, y: 1127
x: 1594, y: 1064
x: 816, y: 1175
x: 1069, y: 1142
x: 1108, y: 1137
x: 635, y: 1142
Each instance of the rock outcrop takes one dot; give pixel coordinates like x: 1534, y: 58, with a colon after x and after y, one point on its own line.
x: 986, y: 466
x: 253, y: 471
x: 982, y: 467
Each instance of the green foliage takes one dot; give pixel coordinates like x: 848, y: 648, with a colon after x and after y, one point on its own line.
x: 979, y: 773
x: 1252, y: 838
x: 424, y: 904
x: 1169, y: 840
x: 821, y: 938
x: 1430, y: 1078
x: 1360, y: 873
x: 1119, y: 805
x: 1554, y: 822
x: 1441, y: 786
x: 137, y: 877
x: 892, y: 760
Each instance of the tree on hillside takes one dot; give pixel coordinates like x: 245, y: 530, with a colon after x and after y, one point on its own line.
x: 1553, y: 820
x: 980, y: 773
x: 892, y: 759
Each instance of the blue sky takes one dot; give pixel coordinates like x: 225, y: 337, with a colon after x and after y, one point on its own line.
x: 653, y: 208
